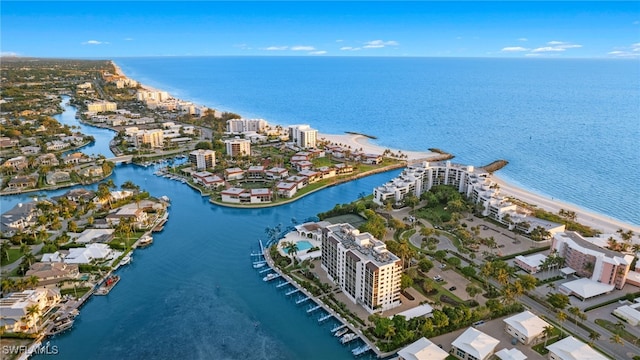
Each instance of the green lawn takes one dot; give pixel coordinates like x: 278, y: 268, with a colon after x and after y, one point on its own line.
x: 14, y: 254
x: 78, y: 292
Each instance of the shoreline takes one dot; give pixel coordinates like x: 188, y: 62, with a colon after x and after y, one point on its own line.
x: 605, y: 223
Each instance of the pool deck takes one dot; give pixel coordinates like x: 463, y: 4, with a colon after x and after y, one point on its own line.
x: 295, y: 237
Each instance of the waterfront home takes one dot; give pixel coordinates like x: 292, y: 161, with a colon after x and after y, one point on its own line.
x: 102, y: 106
x: 213, y: 182
x: 138, y: 216
x: 95, y: 236
x: 260, y: 195
x: 571, y: 348
x: 21, y: 217
x: 17, y: 163
x: 79, y: 195
x: 91, y: 171
x: 57, y: 177
x: 48, y: 159
x: 233, y: 174
x: 422, y: 349
x: 234, y: 195
x: 21, y: 182
x: 198, y: 176
x: 276, y: 173
x: 300, y: 181
x: 525, y: 326
x: 56, y: 145
x: 368, y: 274
x: 373, y: 159
x: 342, y: 169
x: 86, y: 255
x: 312, y: 176
x: 473, y: 345
x: 153, y: 138
x: 14, y: 308
x: 327, y: 172
x: 53, y: 272
x: 55, y: 257
x: 286, y: 189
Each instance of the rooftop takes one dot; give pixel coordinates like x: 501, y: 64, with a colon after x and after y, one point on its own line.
x: 476, y: 343
x: 527, y: 323
x: 587, y: 288
x: 572, y: 349
x: 422, y: 349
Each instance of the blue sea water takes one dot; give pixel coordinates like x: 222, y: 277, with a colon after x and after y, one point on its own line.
x: 568, y: 127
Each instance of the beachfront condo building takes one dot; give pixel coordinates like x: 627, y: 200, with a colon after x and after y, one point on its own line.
x: 591, y: 261
x: 303, y: 135
x: 361, y: 265
x: 102, y: 106
x: 242, y: 125
x: 152, y: 96
x: 154, y: 138
x: 238, y: 147
x: 203, y: 159
x: 420, y: 177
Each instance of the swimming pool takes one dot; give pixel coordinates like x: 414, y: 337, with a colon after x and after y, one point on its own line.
x: 302, y: 245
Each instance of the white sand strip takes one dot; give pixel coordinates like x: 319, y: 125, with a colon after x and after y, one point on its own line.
x: 357, y: 141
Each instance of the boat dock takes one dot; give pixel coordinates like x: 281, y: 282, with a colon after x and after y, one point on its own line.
x: 345, y: 327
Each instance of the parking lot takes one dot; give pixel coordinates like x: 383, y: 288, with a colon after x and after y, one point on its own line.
x: 452, y: 278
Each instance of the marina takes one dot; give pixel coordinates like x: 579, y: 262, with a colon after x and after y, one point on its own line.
x: 109, y: 283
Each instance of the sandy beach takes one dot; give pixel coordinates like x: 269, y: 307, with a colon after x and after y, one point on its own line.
x: 119, y: 72
x: 360, y: 141
x: 606, y: 224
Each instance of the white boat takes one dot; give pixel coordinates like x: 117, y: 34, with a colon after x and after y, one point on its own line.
x: 341, y: 332
x: 350, y: 336
x: 270, y: 277
x: 145, y: 241
x: 125, y: 260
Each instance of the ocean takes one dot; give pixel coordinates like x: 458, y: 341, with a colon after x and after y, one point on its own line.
x: 568, y: 127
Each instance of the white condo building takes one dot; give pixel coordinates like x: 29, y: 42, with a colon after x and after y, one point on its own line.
x: 303, y: 135
x: 362, y: 266
x: 242, y: 125
x: 420, y: 177
x: 203, y: 159
x: 238, y: 147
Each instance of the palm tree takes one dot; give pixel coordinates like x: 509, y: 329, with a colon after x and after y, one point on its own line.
x: 391, y: 332
x: 33, y: 281
x: 561, y: 318
x: 290, y: 247
x: 502, y: 276
x: 546, y: 332
x: 32, y: 312
x: 616, y: 339
x: 593, y: 336
x: 4, y: 250
x: 575, y: 311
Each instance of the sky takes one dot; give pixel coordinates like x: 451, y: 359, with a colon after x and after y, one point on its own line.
x: 302, y: 28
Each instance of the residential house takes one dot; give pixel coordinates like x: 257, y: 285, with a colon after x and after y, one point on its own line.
x: 57, y: 177
x: 48, y: 160
x: 88, y: 254
x: 91, y: 171
x: 233, y: 174
x: 571, y: 348
x: 526, y: 327
x: 286, y: 189
x: 138, y: 216
x: 256, y: 172
x: 422, y: 349
x: 19, y: 218
x: 14, y: 308
x: 473, y: 344
x: 17, y: 163
x: 53, y: 272
x: 276, y: 173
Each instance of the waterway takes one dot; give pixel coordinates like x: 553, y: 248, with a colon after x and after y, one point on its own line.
x: 193, y: 293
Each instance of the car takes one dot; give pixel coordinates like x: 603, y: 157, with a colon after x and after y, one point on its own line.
x: 440, y: 346
x: 452, y: 288
x: 442, y: 266
x: 478, y: 323
x: 437, y: 278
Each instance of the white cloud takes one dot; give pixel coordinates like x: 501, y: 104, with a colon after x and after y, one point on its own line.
x: 349, y: 48
x: 128, y: 39
x: 94, y: 42
x: 9, y: 54
x: 276, y: 48
x: 556, y: 46
x: 627, y: 51
x: 374, y: 44
x: 320, y: 52
x: 302, y: 48
x: 514, y: 49
x: 523, y: 39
